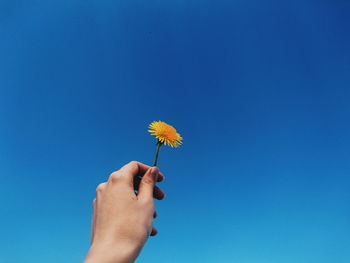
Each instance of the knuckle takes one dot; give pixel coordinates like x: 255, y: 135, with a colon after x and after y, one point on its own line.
x: 133, y: 163
x: 114, y: 177
x: 100, y: 188
x: 133, y: 166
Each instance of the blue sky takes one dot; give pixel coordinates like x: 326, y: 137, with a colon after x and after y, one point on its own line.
x: 259, y: 90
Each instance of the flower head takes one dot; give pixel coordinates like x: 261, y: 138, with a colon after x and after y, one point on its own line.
x: 165, y: 133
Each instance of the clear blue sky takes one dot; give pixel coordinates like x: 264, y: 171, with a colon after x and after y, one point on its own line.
x: 259, y: 90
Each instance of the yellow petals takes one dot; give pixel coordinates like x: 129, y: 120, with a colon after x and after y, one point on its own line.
x: 165, y: 133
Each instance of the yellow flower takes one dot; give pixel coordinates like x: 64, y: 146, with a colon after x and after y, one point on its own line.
x: 165, y: 133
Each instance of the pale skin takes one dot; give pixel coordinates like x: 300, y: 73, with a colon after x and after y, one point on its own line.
x: 122, y: 220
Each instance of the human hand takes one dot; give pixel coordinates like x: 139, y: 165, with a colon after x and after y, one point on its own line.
x: 122, y: 219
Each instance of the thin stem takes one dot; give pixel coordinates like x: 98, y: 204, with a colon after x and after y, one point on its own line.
x: 158, y: 148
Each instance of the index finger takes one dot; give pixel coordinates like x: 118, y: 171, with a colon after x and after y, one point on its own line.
x: 134, y: 168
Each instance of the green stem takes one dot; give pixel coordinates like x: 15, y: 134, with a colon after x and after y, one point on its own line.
x: 158, y: 148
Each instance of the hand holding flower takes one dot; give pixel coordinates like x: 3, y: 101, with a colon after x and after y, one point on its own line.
x: 122, y: 219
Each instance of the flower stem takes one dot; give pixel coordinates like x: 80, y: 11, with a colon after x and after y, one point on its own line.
x: 158, y: 148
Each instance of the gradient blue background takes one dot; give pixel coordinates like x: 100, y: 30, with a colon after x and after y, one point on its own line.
x: 259, y: 90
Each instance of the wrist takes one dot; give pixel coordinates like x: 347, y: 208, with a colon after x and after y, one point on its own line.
x: 111, y: 253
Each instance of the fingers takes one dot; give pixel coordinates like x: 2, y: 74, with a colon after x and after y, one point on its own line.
x: 147, y: 183
x: 157, y: 192
x: 100, y: 188
x: 154, y: 231
x: 126, y: 176
x: 131, y: 172
x: 135, y: 168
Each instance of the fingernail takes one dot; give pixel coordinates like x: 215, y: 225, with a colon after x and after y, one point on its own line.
x: 155, y: 172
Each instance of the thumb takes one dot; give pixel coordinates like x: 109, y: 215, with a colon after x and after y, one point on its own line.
x: 147, y: 184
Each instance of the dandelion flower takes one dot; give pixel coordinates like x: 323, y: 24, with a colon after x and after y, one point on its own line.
x: 165, y: 134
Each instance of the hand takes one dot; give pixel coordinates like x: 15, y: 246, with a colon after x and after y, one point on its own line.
x: 122, y: 218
